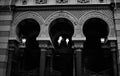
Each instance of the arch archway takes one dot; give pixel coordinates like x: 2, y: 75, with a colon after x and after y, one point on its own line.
x: 61, y: 30
x: 95, y: 28
x: 101, y: 15
x: 60, y: 26
x: 95, y: 58
x: 27, y: 57
x: 23, y: 16
x: 28, y: 28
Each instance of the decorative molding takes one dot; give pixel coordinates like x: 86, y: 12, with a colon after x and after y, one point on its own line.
x: 40, y: 1
x: 61, y: 1
x: 103, y: 14
x: 24, y: 2
x: 61, y: 7
x: 83, y: 1
x: 22, y: 16
x: 96, y: 14
x: 61, y: 14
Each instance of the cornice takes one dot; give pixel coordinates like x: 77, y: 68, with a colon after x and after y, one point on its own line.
x: 61, y: 7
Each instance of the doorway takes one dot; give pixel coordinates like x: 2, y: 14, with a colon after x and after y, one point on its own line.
x: 96, y: 60
x: 61, y: 31
x: 26, y: 60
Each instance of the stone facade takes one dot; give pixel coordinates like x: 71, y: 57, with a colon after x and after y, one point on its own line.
x: 12, y: 13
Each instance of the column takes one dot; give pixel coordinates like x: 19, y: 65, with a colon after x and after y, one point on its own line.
x: 115, y: 58
x: 78, y: 57
x: 42, y: 62
x: 12, y: 47
x: 9, y: 64
x: 115, y: 62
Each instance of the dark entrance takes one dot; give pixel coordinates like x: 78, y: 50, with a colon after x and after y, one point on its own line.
x: 96, y: 59
x: 26, y: 60
x: 61, y: 31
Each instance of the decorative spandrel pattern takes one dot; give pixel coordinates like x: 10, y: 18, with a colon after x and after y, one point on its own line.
x: 24, y: 2
x: 61, y: 1
x: 83, y: 1
x: 54, y: 2
x: 41, y: 1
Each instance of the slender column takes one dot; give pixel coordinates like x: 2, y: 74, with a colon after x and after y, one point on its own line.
x: 42, y: 62
x: 12, y: 47
x: 115, y: 61
x: 78, y: 62
x: 9, y: 65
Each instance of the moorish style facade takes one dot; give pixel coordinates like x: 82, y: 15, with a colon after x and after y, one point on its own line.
x: 59, y: 38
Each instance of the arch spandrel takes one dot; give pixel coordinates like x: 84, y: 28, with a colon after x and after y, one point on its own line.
x: 22, y: 16
x: 96, y: 14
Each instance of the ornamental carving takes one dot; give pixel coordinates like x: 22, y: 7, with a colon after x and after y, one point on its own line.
x: 41, y: 1
x: 83, y: 1
x: 61, y: 1
x: 24, y: 2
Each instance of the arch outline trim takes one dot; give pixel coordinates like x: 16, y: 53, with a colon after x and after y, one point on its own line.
x: 61, y: 14
x: 96, y: 14
x: 25, y: 15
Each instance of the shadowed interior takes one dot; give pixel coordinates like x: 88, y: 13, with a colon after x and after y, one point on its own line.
x: 28, y: 28
x: 96, y: 28
x: 96, y: 58
x: 60, y: 26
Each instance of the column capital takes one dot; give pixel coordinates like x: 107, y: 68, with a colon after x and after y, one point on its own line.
x: 113, y: 49
x: 113, y: 44
x: 78, y: 50
x: 43, y: 49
